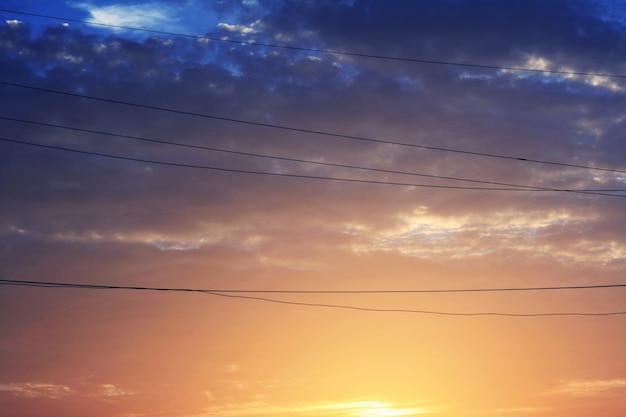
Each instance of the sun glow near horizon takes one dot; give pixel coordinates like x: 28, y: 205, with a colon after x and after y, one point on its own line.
x: 384, y: 409
x: 363, y: 408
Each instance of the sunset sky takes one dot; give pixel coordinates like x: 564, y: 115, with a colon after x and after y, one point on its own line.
x: 320, y: 146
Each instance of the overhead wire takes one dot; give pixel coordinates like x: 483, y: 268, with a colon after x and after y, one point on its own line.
x: 315, y: 177
x: 274, y: 157
x: 319, y: 50
x: 303, y: 130
x: 387, y: 291
x: 221, y: 293
x: 401, y: 310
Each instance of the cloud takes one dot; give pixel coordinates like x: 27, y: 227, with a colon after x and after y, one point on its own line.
x: 545, y: 64
x: 421, y: 233
x: 59, y: 391
x: 110, y: 390
x: 14, y: 23
x: 590, y: 387
x: 145, y: 15
x: 160, y: 241
x: 240, y: 29
x: 515, y: 410
x: 37, y: 390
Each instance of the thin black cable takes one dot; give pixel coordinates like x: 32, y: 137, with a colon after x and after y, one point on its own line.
x: 297, y: 303
x: 405, y: 291
x: 302, y: 130
x: 315, y: 177
x: 319, y: 50
x: 401, y: 310
x: 369, y: 169
x: 208, y: 148
x: 271, y: 173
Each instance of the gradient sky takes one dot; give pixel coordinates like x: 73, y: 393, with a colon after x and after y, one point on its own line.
x: 80, y: 218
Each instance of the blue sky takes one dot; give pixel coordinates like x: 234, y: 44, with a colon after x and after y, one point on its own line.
x: 195, y: 18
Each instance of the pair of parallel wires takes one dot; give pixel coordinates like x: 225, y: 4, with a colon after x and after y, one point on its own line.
x: 240, y: 294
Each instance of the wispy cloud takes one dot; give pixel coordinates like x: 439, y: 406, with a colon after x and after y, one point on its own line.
x: 585, y: 388
x: 239, y: 29
x: 14, y: 23
x: 515, y: 410
x: 426, y: 235
x: 58, y: 391
x: 540, y: 63
x: 37, y: 390
x: 146, y: 15
x: 110, y: 390
x: 161, y: 241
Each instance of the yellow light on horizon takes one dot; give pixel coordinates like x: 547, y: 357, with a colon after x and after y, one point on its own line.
x: 380, y: 409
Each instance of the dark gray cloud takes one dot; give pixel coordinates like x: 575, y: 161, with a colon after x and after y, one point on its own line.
x: 445, y: 30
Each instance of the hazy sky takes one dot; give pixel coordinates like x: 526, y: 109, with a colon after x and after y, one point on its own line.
x: 309, y: 170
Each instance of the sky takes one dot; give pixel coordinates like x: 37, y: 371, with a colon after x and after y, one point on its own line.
x: 289, y: 149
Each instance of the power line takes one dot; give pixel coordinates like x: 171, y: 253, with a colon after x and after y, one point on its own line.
x: 319, y: 50
x: 302, y: 130
x: 248, y: 291
x: 266, y: 173
x: 315, y: 177
x: 399, y: 310
x: 263, y: 156
x: 369, y: 169
x: 222, y: 293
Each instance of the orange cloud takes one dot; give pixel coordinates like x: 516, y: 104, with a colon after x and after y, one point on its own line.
x: 37, y: 390
x: 586, y: 388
